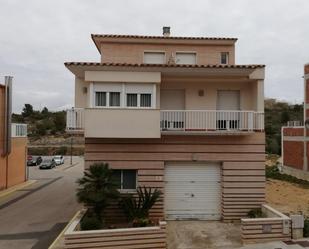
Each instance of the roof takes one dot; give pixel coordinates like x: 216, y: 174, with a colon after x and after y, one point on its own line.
x: 250, y: 66
x: 97, y: 38
x: 161, y: 37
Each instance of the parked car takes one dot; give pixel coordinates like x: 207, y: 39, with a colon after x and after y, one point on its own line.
x: 34, y: 160
x: 59, y: 159
x: 48, y: 163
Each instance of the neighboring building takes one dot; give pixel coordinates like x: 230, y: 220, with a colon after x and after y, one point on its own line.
x: 295, y: 140
x: 177, y: 114
x: 13, y: 142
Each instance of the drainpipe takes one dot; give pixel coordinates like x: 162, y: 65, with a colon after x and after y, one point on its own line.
x: 7, y: 123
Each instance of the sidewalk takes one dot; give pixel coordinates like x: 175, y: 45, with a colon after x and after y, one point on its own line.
x: 17, y: 187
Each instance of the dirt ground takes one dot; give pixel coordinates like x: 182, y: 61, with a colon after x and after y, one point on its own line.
x: 202, y: 234
x: 287, y: 197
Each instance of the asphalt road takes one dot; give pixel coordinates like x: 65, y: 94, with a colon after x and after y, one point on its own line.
x: 34, y: 216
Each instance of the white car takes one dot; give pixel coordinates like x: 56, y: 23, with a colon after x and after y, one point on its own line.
x: 59, y: 160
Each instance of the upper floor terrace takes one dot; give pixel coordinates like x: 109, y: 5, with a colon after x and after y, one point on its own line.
x: 147, y: 100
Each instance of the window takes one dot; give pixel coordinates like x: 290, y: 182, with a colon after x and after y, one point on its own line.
x: 224, y: 58
x: 131, y: 99
x: 114, y: 99
x: 145, y: 100
x: 100, y: 98
x: 125, y: 179
x: 154, y: 57
x: 185, y: 58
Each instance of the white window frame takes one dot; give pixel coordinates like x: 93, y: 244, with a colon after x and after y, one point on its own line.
x: 123, y: 96
x: 186, y: 52
x: 154, y: 51
x: 139, y: 101
x: 126, y: 190
x: 227, y: 58
x: 107, y: 100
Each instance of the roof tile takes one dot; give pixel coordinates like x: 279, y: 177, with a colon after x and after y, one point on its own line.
x: 251, y: 66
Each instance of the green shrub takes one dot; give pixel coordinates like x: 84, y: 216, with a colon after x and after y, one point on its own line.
x: 306, y: 228
x: 256, y: 213
x: 89, y: 222
x: 61, y: 150
x: 273, y: 172
x: 137, y: 208
x: 97, y: 189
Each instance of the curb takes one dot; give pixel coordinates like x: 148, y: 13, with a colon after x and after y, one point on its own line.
x: 64, y: 229
x: 16, y: 188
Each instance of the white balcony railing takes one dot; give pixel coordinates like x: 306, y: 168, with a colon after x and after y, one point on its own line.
x: 75, y: 119
x: 204, y: 120
x: 190, y: 120
x: 19, y: 130
x: 295, y: 123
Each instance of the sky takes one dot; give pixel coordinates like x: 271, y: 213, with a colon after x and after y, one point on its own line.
x: 38, y: 36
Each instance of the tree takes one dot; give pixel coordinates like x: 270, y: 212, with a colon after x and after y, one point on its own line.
x: 285, y: 117
x: 44, y: 111
x: 27, y: 110
x: 59, y: 121
x: 97, y: 189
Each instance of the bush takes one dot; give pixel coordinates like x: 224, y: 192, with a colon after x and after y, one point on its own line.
x: 97, y: 189
x: 61, y: 150
x: 306, y: 228
x: 256, y: 213
x: 90, y: 222
x: 137, y: 208
x: 273, y: 172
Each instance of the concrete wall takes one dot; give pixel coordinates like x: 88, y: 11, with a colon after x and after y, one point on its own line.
x: 133, y: 53
x: 275, y: 227
x: 243, y: 165
x: 122, y: 123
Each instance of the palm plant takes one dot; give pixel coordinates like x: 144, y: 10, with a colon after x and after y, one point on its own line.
x: 97, y: 189
x: 137, y: 208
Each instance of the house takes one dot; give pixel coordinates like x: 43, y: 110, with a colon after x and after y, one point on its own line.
x: 13, y: 141
x: 295, y: 146
x: 177, y: 114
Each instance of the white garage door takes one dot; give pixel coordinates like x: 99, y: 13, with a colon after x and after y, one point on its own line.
x: 192, y: 191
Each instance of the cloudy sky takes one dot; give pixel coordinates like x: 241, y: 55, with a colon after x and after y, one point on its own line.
x: 37, y: 36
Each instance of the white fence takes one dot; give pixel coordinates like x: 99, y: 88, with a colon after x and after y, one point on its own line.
x: 190, y: 120
x: 295, y: 123
x: 19, y: 130
x: 201, y: 120
x: 75, y: 119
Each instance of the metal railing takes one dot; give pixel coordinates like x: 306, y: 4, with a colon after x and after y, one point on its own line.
x: 206, y: 120
x: 19, y: 130
x: 297, y: 123
x: 75, y: 119
x: 190, y: 120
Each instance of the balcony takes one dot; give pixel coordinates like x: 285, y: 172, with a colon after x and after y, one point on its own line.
x: 199, y: 121
x: 18, y: 130
x: 171, y: 121
x: 75, y: 120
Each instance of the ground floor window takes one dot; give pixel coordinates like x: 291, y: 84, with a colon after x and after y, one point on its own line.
x: 125, y: 179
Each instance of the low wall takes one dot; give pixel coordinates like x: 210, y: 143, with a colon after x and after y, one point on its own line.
x: 276, y: 227
x: 124, y: 238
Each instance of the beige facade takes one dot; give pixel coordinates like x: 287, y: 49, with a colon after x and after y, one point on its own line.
x: 134, y: 53
x: 203, y: 113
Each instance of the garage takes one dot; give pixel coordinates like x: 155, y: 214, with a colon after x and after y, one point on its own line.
x: 192, y: 191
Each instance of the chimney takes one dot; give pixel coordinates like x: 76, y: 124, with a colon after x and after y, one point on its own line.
x: 166, y: 31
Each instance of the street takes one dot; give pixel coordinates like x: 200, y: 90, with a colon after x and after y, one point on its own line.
x: 33, y: 217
